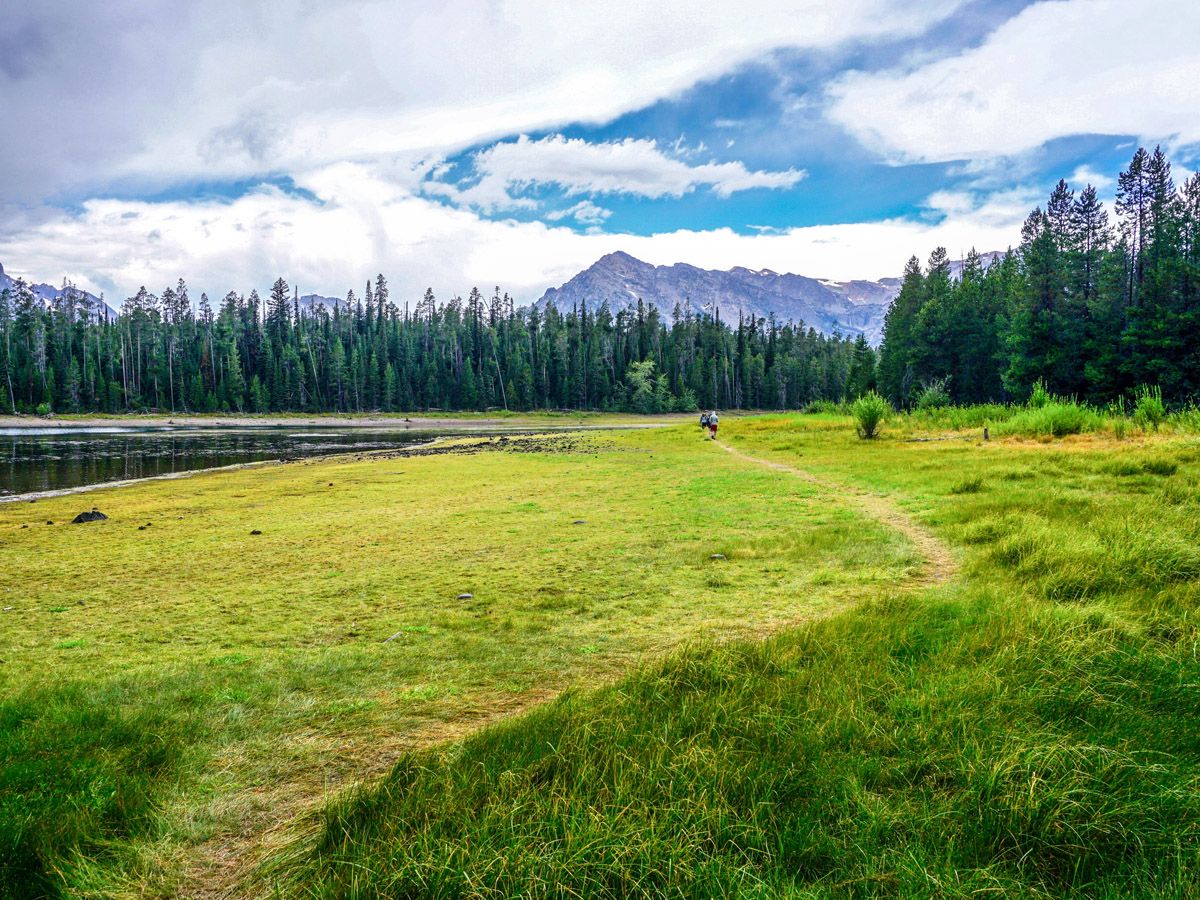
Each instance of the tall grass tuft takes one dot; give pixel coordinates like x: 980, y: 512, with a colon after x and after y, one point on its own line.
x: 1054, y: 418
x: 1148, y: 409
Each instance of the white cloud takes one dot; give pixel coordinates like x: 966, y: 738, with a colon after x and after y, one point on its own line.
x: 136, y: 92
x: 363, y: 223
x: 1085, y: 175
x: 630, y: 166
x: 585, y: 212
x: 1058, y: 68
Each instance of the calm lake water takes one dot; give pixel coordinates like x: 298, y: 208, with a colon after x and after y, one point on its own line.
x: 48, y: 459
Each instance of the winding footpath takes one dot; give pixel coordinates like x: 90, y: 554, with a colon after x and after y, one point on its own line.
x: 940, y: 563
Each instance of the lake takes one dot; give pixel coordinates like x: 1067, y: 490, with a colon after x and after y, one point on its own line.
x: 57, y: 458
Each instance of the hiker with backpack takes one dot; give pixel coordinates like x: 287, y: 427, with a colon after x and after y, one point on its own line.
x: 712, y: 424
x: 704, y: 421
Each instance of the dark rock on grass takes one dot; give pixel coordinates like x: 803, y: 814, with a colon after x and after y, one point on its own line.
x: 141, y: 528
x: 579, y: 522
x: 93, y: 516
x: 466, y: 596
x: 48, y: 522
x: 256, y: 531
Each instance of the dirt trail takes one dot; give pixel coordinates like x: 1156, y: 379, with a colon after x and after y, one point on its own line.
x: 225, y: 866
x: 940, y: 564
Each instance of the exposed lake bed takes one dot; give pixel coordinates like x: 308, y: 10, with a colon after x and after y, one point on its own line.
x: 41, y: 458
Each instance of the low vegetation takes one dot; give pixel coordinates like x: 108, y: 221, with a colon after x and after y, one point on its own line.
x: 776, y: 707
x: 1028, y: 729
x: 179, y: 687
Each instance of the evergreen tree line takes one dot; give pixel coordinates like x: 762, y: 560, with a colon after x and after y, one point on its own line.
x: 1091, y: 307
x: 164, y: 353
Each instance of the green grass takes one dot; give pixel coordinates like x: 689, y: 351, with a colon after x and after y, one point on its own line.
x: 786, y: 721
x: 1030, y: 729
x: 174, y: 695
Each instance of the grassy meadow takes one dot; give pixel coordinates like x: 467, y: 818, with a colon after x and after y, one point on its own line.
x: 926, y: 665
x: 178, y: 690
x: 1029, y: 728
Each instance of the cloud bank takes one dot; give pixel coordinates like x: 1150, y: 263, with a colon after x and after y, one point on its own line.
x: 362, y: 222
x: 1056, y: 69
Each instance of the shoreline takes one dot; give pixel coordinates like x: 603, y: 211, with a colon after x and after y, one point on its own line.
x: 480, y: 431
x: 396, y: 421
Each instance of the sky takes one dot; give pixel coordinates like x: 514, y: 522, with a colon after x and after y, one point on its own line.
x: 511, y: 143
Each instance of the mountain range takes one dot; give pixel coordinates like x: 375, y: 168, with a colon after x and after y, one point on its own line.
x: 48, y: 293
x: 620, y: 280
x: 850, y: 308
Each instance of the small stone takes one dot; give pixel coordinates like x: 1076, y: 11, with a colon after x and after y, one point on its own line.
x: 331, y: 484
x: 466, y: 596
x: 48, y: 522
x: 148, y: 524
x: 579, y: 522
x: 717, y: 556
x: 93, y: 516
x: 256, y: 531
x: 24, y: 526
x: 141, y: 528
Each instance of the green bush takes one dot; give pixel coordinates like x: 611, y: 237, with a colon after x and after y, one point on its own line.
x: 870, y: 412
x: 1149, y: 411
x: 1039, y: 396
x: 933, y: 395
x: 43, y: 409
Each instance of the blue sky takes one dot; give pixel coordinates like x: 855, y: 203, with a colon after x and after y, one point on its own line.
x: 512, y: 142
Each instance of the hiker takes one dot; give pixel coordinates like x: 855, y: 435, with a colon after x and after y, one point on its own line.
x: 712, y: 424
x: 704, y: 421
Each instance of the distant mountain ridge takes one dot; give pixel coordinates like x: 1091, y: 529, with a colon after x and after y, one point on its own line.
x: 48, y: 293
x: 847, y: 307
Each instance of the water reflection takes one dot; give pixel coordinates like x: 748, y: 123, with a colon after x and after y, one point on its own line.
x: 46, y: 459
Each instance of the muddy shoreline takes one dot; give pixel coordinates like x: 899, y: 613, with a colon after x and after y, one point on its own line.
x: 382, y: 422
x: 526, y: 440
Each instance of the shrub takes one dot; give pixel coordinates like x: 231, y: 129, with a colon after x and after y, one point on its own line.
x: 934, y: 394
x: 1149, y: 411
x: 43, y: 409
x: 870, y: 411
x: 1039, y: 396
